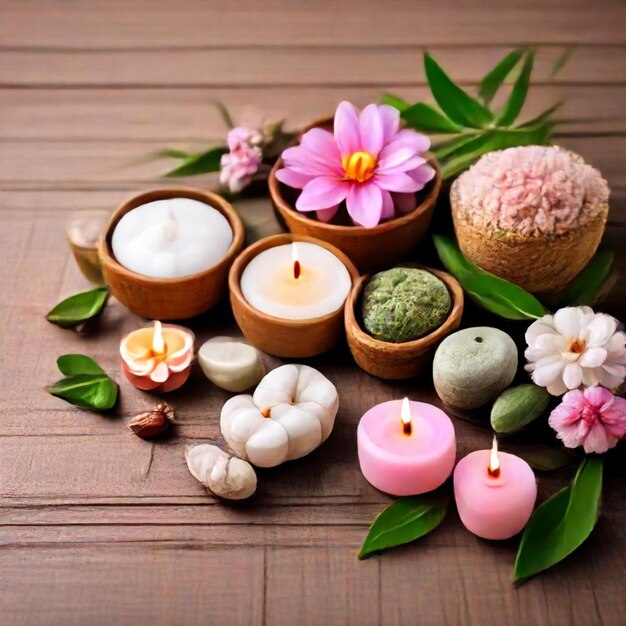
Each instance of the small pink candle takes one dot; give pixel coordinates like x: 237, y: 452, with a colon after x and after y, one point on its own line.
x: 495, y: 493
x: 406, y: 448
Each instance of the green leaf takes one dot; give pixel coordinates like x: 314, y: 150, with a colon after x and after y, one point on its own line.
x: 425, y: 118
x: 493, y: 81
x: 86, y: 385
x: 585, y: 287
x: 489, y: 291
x: 458, y: 105
x: 202, y: 163
x: 562, y: 523
x: 79, y: 308
x: 395, y: 101
x: 224, y: 112
x: 542, y: 117
x: 562, y: 61
x: 71, y: 364
x: 452, y: 147
x: 406, y: 520
x: 491, y: 140
x: 517, y: 97
x: 173, y: 153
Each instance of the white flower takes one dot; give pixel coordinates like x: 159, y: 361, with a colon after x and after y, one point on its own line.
x: 576, y: 346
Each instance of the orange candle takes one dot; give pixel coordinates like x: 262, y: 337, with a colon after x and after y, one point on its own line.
x: 157, y: 358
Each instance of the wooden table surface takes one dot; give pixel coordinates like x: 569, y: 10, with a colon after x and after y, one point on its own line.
x: 100, y: 527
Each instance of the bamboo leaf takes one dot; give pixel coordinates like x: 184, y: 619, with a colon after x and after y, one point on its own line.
x: 584, y: 288
x: 406, y: 520
x: 79, y: 308
x: 71, y: 364
x: 202, y: 163
x: 224, y: 112
x: 425, y: 118
x: 395, y: 101
x: 562, y: 523
x: 172, y: 153
x: 542, y: 117
x: 517, y: 97
x: 489, y: 291
x: 562, y: 60
x: 458, y: 105
x: 452, y: 147
x: 493, y: 81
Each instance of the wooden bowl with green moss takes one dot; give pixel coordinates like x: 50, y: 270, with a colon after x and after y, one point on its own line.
x: 405, y: 359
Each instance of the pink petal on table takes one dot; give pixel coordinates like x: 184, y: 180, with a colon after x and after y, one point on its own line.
x: 371, y: 129
x: 390, y: 118
x: 322, y: 193
x: 326, y: 215
x: 292, y: 178
x: 347, y: 129
x: 365, y: 204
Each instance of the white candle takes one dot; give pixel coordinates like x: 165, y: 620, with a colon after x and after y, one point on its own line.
x: 171, y: 238
x: 296, y: 281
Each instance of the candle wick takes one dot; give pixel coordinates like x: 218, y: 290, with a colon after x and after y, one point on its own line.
x: 407, y: 428
x: 494, y: 473
x: 296, y: 269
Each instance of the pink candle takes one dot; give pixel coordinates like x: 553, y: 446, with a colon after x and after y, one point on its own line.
x: 495, y: 493
x: 406, y: 448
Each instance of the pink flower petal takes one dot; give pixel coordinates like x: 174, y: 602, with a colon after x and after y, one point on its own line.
x: 422, y: 175
x: 326, y: 215
x: 388, y: 205
x: 365, y: 204
x: 390, y: 118
x: 292, y: 178
x: 596, y: 440
x: 347, y: 129
x: 403, y: 160
x: 416, y: 142
x: 322, y: 193
x: 371, y: 129
x: 396, y: 182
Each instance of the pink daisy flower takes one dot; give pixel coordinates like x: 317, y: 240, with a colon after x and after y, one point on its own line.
x: 368, y: 163
x: 593, y: 418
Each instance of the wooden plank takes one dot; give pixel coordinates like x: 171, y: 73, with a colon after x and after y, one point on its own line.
x: 277, y: 67
x: 166, y: 25
x: 187, y: 115
x: 143, y: 584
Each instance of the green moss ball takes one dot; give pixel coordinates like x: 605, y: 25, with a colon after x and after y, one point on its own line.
x: 404, y: 303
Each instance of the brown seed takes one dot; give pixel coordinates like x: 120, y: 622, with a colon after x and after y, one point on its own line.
x: 152, y: 423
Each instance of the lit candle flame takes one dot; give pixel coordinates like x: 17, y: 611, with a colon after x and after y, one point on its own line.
x: 405, y: 416
x: 158, y: 343
x: 295, y: 259
x: 494, y: 460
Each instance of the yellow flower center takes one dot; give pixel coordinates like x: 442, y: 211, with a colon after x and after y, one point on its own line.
x: 358, y: 166
x: 574, y: 348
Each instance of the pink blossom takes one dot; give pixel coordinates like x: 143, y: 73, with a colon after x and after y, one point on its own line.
x: 593, y: 418
x: 531, y: 190
x: 239, y: 166
x: 365, y: 161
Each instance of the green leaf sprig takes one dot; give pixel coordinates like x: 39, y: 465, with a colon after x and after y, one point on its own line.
x: 562, y: 523
x: 405, y: 520
x: 79, y: 308
x: 488, y: 291
x: 85, y: 384
x: 472, y: 127
x: 586, y: 286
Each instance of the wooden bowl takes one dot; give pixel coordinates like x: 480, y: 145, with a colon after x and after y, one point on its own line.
x: 283, y: 337
x: 398, y: 361
x: 170, y: 298
x: 384, y: 244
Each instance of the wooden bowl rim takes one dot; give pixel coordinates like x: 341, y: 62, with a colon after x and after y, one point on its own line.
x: 164, y: 193
x: 420, y: 345
x: 433, y: 188
x: 241, y: 262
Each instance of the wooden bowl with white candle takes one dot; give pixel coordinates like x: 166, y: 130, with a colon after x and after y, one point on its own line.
x: 166, y: 253
x: 288, y: 300
x: 398, y: 361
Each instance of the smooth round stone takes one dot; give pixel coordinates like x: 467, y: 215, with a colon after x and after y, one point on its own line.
x: 231, y: 363
x: 472, y: 366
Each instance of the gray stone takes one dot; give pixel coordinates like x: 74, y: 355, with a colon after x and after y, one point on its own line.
x: 472, y: 366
